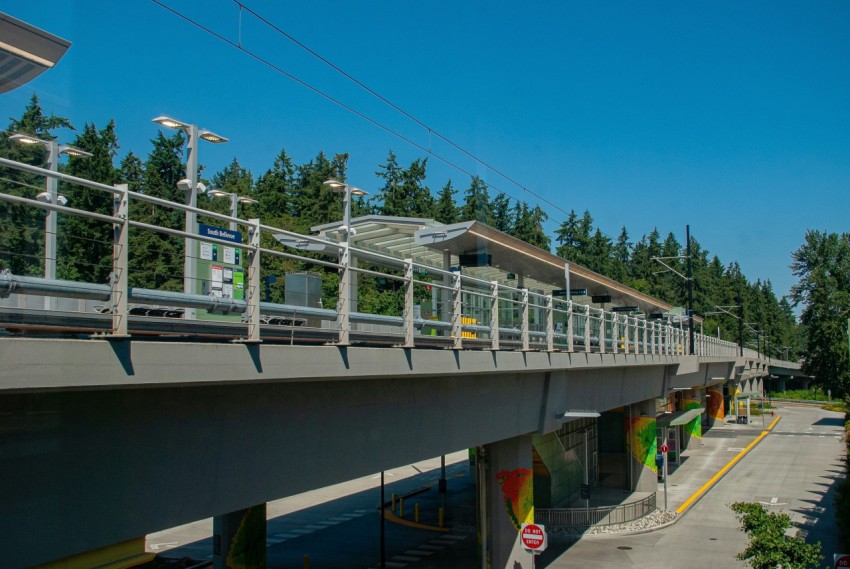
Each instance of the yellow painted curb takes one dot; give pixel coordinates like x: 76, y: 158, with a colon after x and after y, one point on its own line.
x: 389, y: 516
x: 707, y: 486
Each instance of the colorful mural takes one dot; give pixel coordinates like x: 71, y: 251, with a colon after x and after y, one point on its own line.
x: 693, y: 428
x: 714, y: 406
x: 248, y: 548
x: 518, y: 493
x: 644, y: 444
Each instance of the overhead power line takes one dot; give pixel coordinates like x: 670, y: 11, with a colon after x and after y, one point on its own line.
x: 238, y: 45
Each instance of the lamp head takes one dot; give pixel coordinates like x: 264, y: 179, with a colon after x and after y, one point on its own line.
x: 185, y: 184
x: 27, y: 139
x: 76, y: 152
x: 169, y: 122
x: 212, y: 137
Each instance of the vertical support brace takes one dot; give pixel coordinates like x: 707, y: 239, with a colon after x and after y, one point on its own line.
x: 254, y: 288
x: 457, y: 328
x: 602, y: 318
x: 570, y: 326
x: 626, y: 335
x: 550, y: 324
x: 119, y: 301
x: 494, y: 315
x: 343, y: 301
x: 523, y: 324
x: 587, y: 328
x: 645, y: 326
x: 408, y: 303
x: 615, y: 332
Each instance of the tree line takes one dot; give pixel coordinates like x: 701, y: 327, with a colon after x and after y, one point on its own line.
x: 292, y: 196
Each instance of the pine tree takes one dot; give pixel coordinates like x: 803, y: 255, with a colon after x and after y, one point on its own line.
x: 477, y: 205
x: 85, y: 245
x: 445, y: 209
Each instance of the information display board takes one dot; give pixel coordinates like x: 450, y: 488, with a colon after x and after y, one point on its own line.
x: 219, y: 270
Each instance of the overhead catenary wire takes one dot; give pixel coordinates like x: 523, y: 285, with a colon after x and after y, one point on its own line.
x: 238, y: 46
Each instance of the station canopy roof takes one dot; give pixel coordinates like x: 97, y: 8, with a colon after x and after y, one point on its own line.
x: 678, y: 417
x: 497, y: 256
x: 25, y: 52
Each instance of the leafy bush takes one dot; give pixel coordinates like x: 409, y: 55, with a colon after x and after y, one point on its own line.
x: 769, y: 546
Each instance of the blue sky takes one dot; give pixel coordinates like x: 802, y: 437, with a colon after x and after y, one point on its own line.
x: 733, y: 117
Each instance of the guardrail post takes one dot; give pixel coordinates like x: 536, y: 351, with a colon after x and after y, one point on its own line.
x: 343, y: 302
x: 615, y: 333
x: 601, y: 330
x: 254, y: 287
x: 408, y: 303
x: 494, y: 315
x: 645, y: 324
x: 550, y: 324
x: 524, y: 320
x: 570, y: 326
x: 627, y: 336
x: 586, y: 327
x: 119, y: 302
x: 457, y: 329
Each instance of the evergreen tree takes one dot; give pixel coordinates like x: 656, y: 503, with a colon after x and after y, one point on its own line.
x: 274, y: 191
x: 85, y: 245
x: 313, y: 202
x: 445, y: 209
x: 156, y: 259
x: 22, y: 227
x: 503, y: 219
x: 404, y: 193
x: 477, y: 205
x: 822, y: 265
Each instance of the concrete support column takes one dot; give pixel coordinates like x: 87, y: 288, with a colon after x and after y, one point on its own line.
x: 642, y: 447
x: 509, y: 496
x: 239, y: 539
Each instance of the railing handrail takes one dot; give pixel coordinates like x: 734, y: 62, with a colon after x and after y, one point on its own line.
x: 596, y: 515
x: 530, y: 321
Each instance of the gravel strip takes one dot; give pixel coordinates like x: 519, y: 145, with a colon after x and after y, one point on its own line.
x: 649, y: 522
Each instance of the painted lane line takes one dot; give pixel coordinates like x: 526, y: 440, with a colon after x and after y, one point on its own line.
x: 418, y: 552
x: 406, y: 558
x: 432, y: 547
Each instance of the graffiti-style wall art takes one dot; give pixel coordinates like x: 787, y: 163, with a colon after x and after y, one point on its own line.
x: 644, y: 444
x: 693, y: 428
x: 714, y: 405
x: 518, y: 494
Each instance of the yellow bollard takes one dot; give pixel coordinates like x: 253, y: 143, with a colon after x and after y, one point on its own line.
x: 416, y: 512
x: 440, y: 516
x: 401, y: 507
x: 306, y: 561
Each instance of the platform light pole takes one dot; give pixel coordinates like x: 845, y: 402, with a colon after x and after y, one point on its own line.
x: 235, y: 200
x: 193, y: 133
x: 51, y: 196
x: 343, y: 308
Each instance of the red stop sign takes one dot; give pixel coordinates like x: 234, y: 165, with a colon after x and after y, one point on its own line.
x: 841, y: 560
x: 533, y: 537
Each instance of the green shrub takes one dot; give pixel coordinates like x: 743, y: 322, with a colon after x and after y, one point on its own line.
x: 769, y: 547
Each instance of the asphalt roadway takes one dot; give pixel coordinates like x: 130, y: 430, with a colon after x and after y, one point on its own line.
x: 790, y: 464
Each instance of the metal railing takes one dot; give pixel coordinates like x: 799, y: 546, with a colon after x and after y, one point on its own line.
x: 595, y: 516
x: 511, y: 317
